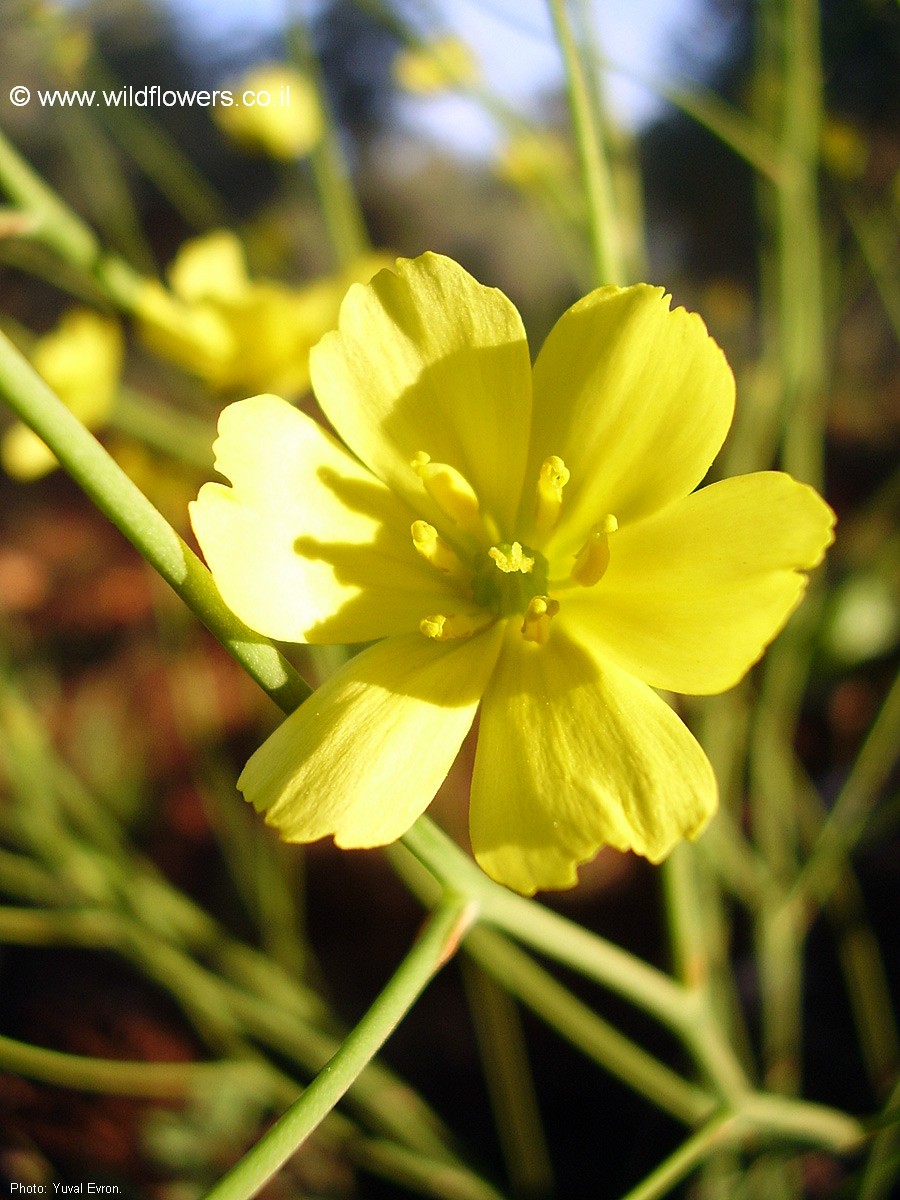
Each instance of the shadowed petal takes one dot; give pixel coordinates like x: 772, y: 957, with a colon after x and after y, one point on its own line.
x: 307, y: 545
x: 429, y: 360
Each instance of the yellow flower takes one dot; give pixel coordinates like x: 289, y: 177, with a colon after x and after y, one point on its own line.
x: 443, y: 63
x: 526, y: 542
x: 236, y: 333
x: 531, y: 159
x: 81, y: 360
x: 275, y: 110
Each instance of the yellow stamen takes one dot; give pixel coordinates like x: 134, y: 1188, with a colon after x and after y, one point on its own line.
x: 540, y: 612
x: 593, y: 557
x: 553, y: 478
x: 515, y: 559
x: 444, y: 627
x: 436, y: 551
x: 451, y: 492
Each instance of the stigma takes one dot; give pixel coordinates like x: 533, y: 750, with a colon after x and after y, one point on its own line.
x: 509, y: 559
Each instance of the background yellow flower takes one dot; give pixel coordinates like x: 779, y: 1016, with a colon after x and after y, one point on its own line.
x: 275, y: 111
x: 81, y: 360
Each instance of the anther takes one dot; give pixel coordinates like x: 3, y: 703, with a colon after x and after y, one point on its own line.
x: 511, y: 559
x: 548, y: 504
x: 540, y: 612
x: 445, y: 627
x: 451, y: 492
x: 593, y: 557
x: 429, y: 543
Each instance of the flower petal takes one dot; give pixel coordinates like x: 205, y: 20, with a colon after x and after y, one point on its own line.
x: 694, y: 594
x: 574, y: 754
x: 429, y: 360
x: 307, y: 545
x: 364, y: 756
x: 635, y: 399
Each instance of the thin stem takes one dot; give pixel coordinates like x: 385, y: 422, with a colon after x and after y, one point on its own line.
x: 846, y: 820
x: 158, y: 1081
x: 510, y: 1084
x: 605, y: 245
x: 689, y: 1155
x: 549, y: 933
x: 436, y: 944
x: 803, y: 345
x: 883, y: 1164
x: 171, y: 431
x: 586, y: 1030
x: 148, y: 531
x: 337, y: 197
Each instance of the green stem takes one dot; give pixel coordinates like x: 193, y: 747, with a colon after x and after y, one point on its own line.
x: 435, y: 945
x: 148, y: 531
x: 158, y: 1081
x: 161, y: 427
x: 673, y: 1005
x: 803, y: 346
x: 337, y: 197
x: 549, y: 933
x: 715, y: 1135
x: 62, y: 231
x: 57, y: 226
x: 605, y: 246
x: 510, y: 1084
x: 846, y: 820
x: 883, y: 1165
x: 586, y: 1030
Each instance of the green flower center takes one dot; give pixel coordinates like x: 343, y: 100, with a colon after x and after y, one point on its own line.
x: 510, y: 578
x: 507, y: 577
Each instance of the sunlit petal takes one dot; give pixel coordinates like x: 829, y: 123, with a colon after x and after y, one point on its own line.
x: 635, y: 399
x: 694, y: 594
x: 574, y: 754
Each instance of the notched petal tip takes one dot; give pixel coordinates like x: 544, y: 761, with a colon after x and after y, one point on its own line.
x: 574, y: 755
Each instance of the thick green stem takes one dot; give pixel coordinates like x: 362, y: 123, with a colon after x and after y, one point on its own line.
x: 62, y: 231
x: 133, y: 514
x: 436, y: 944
